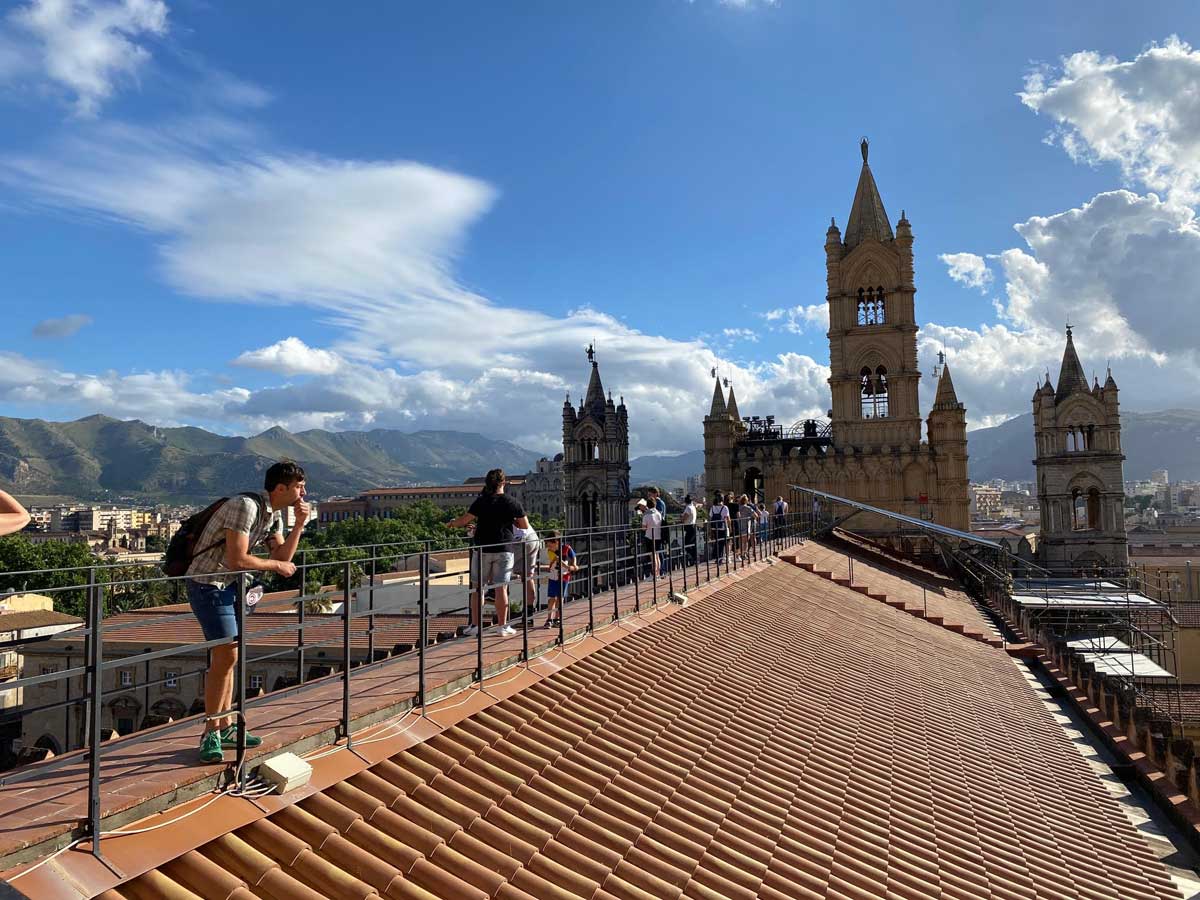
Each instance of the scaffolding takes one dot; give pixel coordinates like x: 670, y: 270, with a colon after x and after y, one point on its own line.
x: 1120, y: 621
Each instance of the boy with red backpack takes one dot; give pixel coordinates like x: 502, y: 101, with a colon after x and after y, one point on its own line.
x: 210, y: 547
x: 561, y: 563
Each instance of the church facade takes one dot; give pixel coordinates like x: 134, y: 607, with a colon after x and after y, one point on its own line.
x: 872, y: 450
x: 595, y: 466
x: 1080, y: 482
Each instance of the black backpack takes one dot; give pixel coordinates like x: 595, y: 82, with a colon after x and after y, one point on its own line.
x: 182, y: 549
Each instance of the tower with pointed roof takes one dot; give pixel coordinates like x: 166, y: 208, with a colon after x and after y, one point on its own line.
x: 1080, y: 479
x: 596, y: 457
x: 874, y: 449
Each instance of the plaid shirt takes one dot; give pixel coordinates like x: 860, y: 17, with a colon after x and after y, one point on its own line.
x: 236, y: 514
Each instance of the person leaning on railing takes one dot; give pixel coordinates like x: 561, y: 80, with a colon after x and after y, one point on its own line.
x: 237, y: 527
x: 13, y: 516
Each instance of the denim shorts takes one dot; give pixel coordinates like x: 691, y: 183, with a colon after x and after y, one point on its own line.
x: 497, y: 569
x: 215, y: 609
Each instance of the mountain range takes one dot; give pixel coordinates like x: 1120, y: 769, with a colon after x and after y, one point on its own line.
x: 100, y: 458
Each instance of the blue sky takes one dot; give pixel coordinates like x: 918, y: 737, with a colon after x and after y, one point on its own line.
x: 402, y: 215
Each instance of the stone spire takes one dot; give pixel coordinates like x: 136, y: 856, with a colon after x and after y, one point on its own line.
x: 1071, y: 377
x: 732, y: 406
x: 594, y: 401
x: 1110, y: 383
x: 868, y: 218
x: 718, y: 401
x: 946, y: 397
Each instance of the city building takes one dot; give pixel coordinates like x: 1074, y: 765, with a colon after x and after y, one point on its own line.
x: 379, y: 503
x: 1160, y: 476
x: 596, y: 457
x: 542, y: 493
x: 23, y: 617
x: 872, y: 450
x: 1077, y: 433
x: 986, y: 502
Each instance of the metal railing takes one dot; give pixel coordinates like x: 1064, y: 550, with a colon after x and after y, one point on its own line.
x: 618, y: 560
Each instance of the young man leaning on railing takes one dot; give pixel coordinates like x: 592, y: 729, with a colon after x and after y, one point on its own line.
x: 239, y: 525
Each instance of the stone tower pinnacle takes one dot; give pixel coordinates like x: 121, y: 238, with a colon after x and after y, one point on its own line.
x: 868, y: 218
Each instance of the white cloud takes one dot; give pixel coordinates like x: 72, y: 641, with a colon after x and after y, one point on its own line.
x: 371, y: 247
x: 86, y: 47
x: 799, y: 319
x: 1121, y: 270
x: 62, y: 327
x: 291, y: 356
x: 1143, y: 114
x: 741, y: 334
x: 968, y: 269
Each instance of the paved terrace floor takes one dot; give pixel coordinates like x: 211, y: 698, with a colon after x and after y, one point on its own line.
x: 151, y: 770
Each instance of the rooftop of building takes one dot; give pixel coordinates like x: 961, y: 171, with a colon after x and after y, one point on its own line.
x: 781, y: 734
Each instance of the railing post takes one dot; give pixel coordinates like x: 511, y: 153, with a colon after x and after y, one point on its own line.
x: 525, y: 610
x: 347, y: 574
x: 708, y: 552
x: 637, y: 574
x: 591, y: 586
x: 481, y: 590
x: 563, y: 590
x: 670, y: 569
x: 371, y: 607
x: 616, y: 600
x: 684, y: 554
x: 96, y: 705
x: 240, y: 614
x: 422, y: 626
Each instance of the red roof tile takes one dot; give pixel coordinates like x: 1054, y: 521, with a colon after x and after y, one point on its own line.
x: 784, y: 737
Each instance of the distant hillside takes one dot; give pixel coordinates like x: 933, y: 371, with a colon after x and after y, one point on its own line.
x: 99, y: 457
x: 666, y: 471
x: 1159, y: 440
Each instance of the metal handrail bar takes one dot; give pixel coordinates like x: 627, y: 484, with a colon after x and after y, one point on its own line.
x: 594, y: 565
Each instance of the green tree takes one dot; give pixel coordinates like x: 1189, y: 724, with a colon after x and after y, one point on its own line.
x: 55, y: 565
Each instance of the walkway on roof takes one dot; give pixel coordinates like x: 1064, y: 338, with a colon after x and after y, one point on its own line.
x: 785, y: 737
x: 156, y: 768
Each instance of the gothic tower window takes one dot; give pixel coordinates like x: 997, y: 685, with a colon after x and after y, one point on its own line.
x: 870, y: 306
x: 874, y: 392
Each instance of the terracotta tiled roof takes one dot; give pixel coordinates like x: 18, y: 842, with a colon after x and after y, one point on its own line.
x: 784, y: 738
x: 37, y: 618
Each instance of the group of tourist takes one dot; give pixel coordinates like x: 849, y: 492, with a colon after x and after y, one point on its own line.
x: 214, y: 550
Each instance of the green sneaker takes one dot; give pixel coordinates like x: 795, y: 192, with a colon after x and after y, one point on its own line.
x: 229, y: 738
x: 210, y: 747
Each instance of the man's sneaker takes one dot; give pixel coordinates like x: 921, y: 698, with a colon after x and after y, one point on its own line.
x: 210, y: 747
x: 471, y: 631
x: 229, y: 738
x: 507, y: 630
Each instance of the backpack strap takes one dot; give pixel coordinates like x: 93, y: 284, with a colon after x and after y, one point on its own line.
x: 259, y: 511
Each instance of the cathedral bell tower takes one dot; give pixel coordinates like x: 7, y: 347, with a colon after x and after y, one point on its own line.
x: 1080, y: 483
x: 872, y: 326
x: 596, y: 457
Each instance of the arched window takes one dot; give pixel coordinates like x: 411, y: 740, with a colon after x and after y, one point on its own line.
x: 1093, y: 509
x: 1079, y: 511
x: 595, y: 451
x: 874, y: 390
x: 871, y: 306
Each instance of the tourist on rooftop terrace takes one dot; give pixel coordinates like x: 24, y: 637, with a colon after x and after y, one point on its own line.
x: 718, y: 525
x: 495, y: 516
x: 781, y: 508
x: 237, y: 526
x: 651, y: 533
x: 656, y: 500
x: 747, y: 518
x: 560, y: 560
x: 13, y: 516
x: 527, y: 547
x: 764, y: 519
x: 689, y: 530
